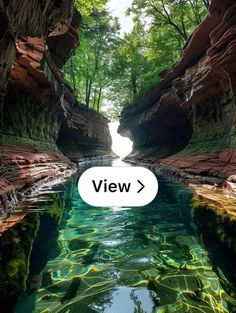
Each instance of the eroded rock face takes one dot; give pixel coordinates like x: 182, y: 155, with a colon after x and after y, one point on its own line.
x: 187, y: 122
x: 36, y: 40
x: 23, y: 170
x: 24, y: 32
x: 84, y: 134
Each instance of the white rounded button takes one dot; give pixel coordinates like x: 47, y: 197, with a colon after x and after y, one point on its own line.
x: 118, y: 186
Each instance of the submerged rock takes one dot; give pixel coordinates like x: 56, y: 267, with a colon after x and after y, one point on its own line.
x: 229, y: 184
x: 72, y: 290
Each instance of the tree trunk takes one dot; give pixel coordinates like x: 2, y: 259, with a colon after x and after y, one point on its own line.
x: 99, y: 99
x: 88, y: 91
x: 72, y: 73
x: 195, y: 9
x: 95, y: 98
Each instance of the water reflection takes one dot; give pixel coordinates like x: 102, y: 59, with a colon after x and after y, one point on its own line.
x: 114, y: 260
x: 126, y: 299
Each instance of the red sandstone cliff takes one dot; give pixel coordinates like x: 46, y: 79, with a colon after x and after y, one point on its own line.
x: 36, y: 40
x: 186, y: 123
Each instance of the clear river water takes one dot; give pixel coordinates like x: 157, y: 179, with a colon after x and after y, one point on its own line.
x: 122, y: 260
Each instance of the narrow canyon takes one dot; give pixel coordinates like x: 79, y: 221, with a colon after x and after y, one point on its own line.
x: 183, y: 129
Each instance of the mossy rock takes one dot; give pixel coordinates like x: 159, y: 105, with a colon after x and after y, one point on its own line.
x: 16, y: 245
x: 72, y: 289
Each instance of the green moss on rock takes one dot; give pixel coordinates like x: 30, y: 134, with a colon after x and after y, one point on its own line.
x: 216, y: 226
x: 15, y: 249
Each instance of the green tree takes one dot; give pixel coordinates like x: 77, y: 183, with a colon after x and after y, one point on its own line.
x: 90, y: 69
x: 161, y: 29
x: 86, y: 7
x: 166, y: 26
x: 109, y: 72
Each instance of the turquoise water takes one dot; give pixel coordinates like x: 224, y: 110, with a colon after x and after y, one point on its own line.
x: 121, y: 260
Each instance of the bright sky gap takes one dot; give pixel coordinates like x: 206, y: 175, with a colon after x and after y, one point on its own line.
x: 118, y: 9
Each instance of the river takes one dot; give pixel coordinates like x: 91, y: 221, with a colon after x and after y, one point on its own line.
x: 121, y: 260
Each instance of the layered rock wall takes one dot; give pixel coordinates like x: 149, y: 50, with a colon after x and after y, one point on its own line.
x: 187, y: 122
x: 36, y: 40
x: 84, y: 134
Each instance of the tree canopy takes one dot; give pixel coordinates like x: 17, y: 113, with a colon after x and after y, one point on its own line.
x: 110, y: 71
